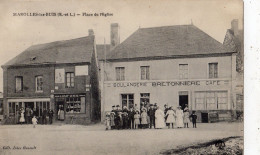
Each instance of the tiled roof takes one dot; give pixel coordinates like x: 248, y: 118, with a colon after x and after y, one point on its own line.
x: 68, y: 51
x: 167, y: 41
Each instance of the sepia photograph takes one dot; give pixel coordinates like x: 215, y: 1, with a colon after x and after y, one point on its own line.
x: 122, y: 77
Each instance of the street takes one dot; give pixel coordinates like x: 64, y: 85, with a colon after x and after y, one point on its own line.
x: 78, y: 139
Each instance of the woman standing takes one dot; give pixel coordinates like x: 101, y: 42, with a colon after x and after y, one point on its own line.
x: 186, y: 118
x: 144, y: 119
x: 179, y: 118
x: 170, y: 117
x: 22, y: 120
x: 159, y: 118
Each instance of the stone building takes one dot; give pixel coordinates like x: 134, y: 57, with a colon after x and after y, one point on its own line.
x: 173, y: 65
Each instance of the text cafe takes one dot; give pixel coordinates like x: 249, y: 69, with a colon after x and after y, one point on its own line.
x: 200, y: 95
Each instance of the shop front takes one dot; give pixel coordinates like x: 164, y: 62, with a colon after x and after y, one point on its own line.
x: 70, y: 108
x: 202, y: 96
x: 37, y: 105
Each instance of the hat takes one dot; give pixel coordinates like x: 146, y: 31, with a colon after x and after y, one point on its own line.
x: 151, y: 105
x: 113, y: 106
x: 117, y: 106
x: 165, y: 105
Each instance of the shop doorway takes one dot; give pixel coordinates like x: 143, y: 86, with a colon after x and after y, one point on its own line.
x: 183, y: 99
x: 29, y: 105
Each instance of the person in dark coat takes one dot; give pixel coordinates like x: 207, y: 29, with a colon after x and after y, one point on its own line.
x: 193, y: 117
x: 112, y: 117
x: 50, y: 113
x: 151, y: 114
x: 165, y: 111
x: 117, y: 118
x: 44, y: 116
x: 131, y: 118
x: 125, y: 117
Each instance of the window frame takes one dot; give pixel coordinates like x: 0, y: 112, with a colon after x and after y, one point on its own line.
x: 36, y: 83
x: 183, y: 73
x: 121, y: 75
x: 17, y: 77
x: 217, y: 70
x: 70, y: 77
x: 146, y: 72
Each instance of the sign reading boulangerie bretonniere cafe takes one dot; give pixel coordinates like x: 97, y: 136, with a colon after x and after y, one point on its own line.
x: 169, y: 83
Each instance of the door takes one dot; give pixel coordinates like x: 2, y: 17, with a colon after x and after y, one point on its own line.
x: 183, y: 100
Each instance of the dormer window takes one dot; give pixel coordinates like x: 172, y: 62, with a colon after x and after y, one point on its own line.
x: 33, y: 58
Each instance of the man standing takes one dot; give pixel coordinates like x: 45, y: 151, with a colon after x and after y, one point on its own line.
x: 50, y: 115
x: 151, y: 114
x: 44, y: 116
x: 165, y: 111
x: 131, y: 114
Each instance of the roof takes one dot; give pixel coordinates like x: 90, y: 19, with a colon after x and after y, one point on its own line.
x: 68, y: 51
x: 166, y: 41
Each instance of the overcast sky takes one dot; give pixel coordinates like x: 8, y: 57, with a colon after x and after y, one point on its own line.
x: 18, y: 33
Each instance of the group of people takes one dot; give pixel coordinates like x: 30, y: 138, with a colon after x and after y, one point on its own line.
x: 30, y: 116
x: 148, y: 117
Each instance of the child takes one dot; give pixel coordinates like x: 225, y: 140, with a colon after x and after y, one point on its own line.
x: 144, y: 119
x: 170, y: 114
x: 193, y: 118
x: 34, y: 121
x: 107, y: 121
x: 186, y: 119
x: 137, y: 119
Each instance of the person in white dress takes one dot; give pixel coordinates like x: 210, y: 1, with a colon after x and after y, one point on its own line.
x: 179, y: 118
x: 159, y: 118
x: 170, y: 117
x: 186, y: 116
x: 22, y: 120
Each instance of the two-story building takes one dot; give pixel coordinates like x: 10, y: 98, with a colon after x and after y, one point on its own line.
x: 61, y: 75
x: 173, y: 65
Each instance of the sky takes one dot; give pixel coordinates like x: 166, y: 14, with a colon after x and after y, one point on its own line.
x: 20, y: 32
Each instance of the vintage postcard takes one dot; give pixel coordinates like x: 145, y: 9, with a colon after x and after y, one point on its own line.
x: 122, y: 77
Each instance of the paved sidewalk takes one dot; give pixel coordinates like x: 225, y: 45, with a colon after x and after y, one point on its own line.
x: 78, y: 139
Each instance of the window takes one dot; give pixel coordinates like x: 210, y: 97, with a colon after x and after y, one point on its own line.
x: 145, y: 99
x: 18, y: 84
x: 40, y: 106
x: 145, y: 73
x: 120, y: 73
x: 75, y: 104
x: 183, y: 71
x: 39, y: 83
x: 127, y: 100
x: 199, y: 100
x: 211, y: 100
x: 213, y: 70
x: 70, y: 80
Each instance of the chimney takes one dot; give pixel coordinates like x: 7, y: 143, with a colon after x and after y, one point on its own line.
x: 90, y: 32
x: 114, y: 35
x: 234, y: 26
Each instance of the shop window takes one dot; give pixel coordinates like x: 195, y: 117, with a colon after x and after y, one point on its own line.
x: 145, y: 72
x: 211, y: 101
x: 183, y: 71
x: 127, y: 100
x: 200, y: 100
x: 145, y: 99
x: 18, y: 84
x: 39, y: 83
x: 70, y: 80
x: 222, y: 100
x: 40, y: 106
x: 75, y: 104
x: 213, y: 70
x: 11, y: 107
x: 120, y: 73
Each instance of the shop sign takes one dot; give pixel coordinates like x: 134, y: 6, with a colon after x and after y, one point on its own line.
x: 69, y: 95
x: 170, y: 83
